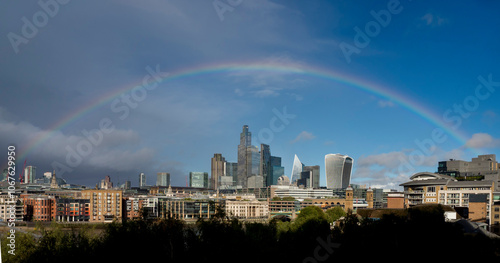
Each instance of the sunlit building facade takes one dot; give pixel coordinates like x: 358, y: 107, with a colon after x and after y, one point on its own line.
x: 338, y: 170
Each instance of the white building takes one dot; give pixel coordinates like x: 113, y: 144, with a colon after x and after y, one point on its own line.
x: 299, y: 193
x: 338, y: 170
x: 247, y: 209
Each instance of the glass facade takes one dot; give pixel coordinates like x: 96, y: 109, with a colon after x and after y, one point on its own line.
x: 314, y: 183
x: 265, y: 163
x: 243, y: 167
x: 338, y: 169
x: 163, y: 179
x: 198, y: 179
x: 296, y: 169
x: 278, y: 171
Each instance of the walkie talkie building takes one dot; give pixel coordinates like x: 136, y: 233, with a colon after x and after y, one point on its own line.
x: 338, y: 170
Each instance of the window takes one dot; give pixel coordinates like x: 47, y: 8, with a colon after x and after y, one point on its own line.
x: 431, y: 189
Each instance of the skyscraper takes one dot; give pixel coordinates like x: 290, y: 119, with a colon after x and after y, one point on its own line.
x: 218, y: 170
x: 142, y: 180
x: 245, y: 142
x: 232, y: 170
x: 29, y: 174
x: 296, y: 169
x: 314, y: 170
x: 338, y: 170
x: 253, y: 161
x: 198, y: 179
x: 162, y: 179
x: 106, y: 183
x: 276, y: 171
x: 265, y: 163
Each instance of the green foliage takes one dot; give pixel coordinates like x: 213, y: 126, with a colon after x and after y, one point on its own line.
x: 335, y: 213
x: 224, y: 239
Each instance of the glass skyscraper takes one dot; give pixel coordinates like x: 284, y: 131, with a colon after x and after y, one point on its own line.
x: 338, y: 170
x: 314, y: 170
x: 296, y: 169
x: 162, y: 179
x: 265, y: 163
x: 245, y: 142
x: 198, y: 179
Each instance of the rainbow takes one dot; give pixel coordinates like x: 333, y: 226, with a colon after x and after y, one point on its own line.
x: 281, y: 68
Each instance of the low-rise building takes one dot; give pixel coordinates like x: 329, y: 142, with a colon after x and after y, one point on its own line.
x: 11, y: 207
x: 72, y: 210
x: 39, y: 207
x: 299, y: 193
x: 247, y: 209
x: 432, y: 188
x: 186, y: 209
x: 289, y: 208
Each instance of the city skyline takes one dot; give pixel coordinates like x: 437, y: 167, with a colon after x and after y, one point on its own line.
x: 162, y: 86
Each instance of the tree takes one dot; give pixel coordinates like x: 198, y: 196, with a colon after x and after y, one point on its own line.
x: 311, y: 212
x: 335, y: 213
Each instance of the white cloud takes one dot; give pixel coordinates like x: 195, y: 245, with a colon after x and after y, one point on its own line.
x: 303, y: 136
x: 482, y: 140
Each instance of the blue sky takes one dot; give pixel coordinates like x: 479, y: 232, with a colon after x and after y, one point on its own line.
x: 59, y: 57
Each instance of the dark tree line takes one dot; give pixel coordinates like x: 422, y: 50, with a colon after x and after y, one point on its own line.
x: 420, y: 234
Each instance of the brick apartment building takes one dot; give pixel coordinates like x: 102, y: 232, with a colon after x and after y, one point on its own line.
x: 105, y: 205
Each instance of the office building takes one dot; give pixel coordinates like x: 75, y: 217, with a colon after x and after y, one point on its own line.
x: 245, y: 142
x: 313, y: 174
x: 296, y: 169
x: 142, y: 180
x: 255, y: 181
x: 106, y: 183
x: 478, y: 166
x: 29, y: 174
x: 265, y: 163
x: 218, y: 170
x: 278, y: 171
x: 253, y: 161
x: 338, y: 170
x: 483, y: 167
x: 162, y: 179
x: 299, y: 193
x: 232, y: 170
x: 198, y: 179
